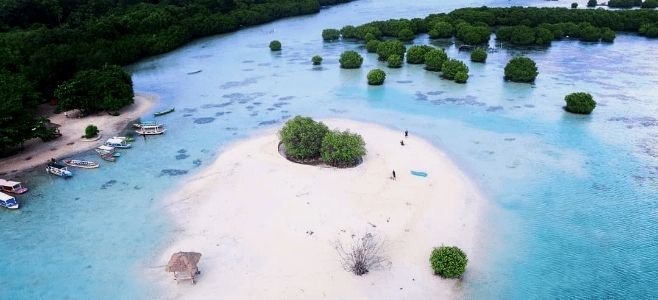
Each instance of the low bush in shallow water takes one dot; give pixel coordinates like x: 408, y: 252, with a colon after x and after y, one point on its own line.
x: 580, y: 103
x: 350, y: 60
x: 376, y: 77
x: 275, y: 45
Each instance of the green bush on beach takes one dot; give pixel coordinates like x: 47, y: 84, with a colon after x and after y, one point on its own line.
x: 302, y: 138
x: 317, y: 60
x: 579, y: 103
x: 479, y: 55
x: 342, y: 149
x: 521, y: 69
x: 275, y: 45
x: 350, y: 60
x: 91, y: 131
x: 376, y: 77
x: 448, y: 262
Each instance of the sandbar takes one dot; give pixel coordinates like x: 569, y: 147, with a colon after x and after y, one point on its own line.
x: 267, y: 227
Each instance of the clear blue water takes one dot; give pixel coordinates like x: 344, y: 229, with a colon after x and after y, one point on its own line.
x: 574, y: 198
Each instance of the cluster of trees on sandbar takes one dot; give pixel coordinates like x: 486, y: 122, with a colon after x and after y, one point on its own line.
x: 308, y: 141
x: 517, y: 25
x: 67, y: 51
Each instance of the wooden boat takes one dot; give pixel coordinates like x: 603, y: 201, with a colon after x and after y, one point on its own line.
x: 8, y: 201
x: 194, y: 72
x: 58, y: 169
x: 107, y: 150
x: 85, y: 164
x: 164, y: 112
x: 13, y: 187
x: 117, y: 143
x: 108, y: 157
x: 151, y: 130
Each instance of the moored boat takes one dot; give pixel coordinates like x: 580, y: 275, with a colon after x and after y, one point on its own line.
x: 13, y: 187
x: 58, y: 169
x: 151, y: 130
x: 8, y: 201
x: 117, y: 143
x: 85, y: 164
x: 125, y: 138
x: 145, y: 123
x: 164, y: 112
x: 108, y: 157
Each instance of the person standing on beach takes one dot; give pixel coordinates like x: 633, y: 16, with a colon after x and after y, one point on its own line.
x: 406, y: 133
x: 401, y: 143
x: 394, y: 177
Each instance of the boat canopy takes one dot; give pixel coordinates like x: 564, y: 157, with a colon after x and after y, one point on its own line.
x: 105, y: 148
x: 4, y: 197
x: 116, y: 141
x: 9, y: 183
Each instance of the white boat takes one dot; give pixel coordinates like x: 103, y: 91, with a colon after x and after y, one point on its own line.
x: 85, y: 164
x: 13, y: 187
x: 58, y: 169
x: 151, y: 130
x: 8, y: 201
x: 125, y: 138
x: 145, y: 123
x: 103, y: 149
x: 117, y: 143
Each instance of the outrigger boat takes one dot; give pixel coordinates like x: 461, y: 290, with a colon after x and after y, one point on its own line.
x: 103, y: 149
x: 108, y: 157
x: 85, y: 164
x: 125, y: 138
x: 164, y: 112
x: 145, y: 123
x: 117, y: 143
x: 58, y: 169
x: 8, y: 201
x: 13, y: 187
x: 151, y: 130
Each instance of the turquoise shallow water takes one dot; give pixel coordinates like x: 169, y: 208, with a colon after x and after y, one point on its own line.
x: 574, y: 215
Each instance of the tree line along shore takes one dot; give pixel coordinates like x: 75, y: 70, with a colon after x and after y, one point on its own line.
x: 68, y: 52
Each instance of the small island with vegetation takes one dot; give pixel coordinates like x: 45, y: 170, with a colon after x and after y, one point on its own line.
x: 306, y: 141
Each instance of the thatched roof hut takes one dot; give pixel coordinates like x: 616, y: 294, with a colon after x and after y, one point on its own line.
x: 184, y: 265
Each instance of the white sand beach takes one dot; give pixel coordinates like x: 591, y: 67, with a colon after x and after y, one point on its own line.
x: 37, y: 152
x: 267, y: 227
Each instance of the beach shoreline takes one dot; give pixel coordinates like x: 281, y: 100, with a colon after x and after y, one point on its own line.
x: 277, y: 240
x: 37, y: 153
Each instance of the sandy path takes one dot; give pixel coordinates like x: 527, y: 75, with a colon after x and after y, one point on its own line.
x: 72, y: 129
x: 250, y: 214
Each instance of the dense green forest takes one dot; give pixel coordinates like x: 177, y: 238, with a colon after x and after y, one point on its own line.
x: 49, y: 48
x: 516, y: 25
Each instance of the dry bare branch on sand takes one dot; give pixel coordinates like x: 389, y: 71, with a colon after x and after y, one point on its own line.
x: 362, y: 254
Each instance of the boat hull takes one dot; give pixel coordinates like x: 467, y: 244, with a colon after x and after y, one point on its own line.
x: 22, y: 190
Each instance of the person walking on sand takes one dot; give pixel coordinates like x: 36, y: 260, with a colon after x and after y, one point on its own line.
x: 394, y: 177
x: 406, y: 133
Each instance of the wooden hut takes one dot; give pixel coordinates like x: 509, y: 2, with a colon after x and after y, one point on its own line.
x: 183, y: 265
